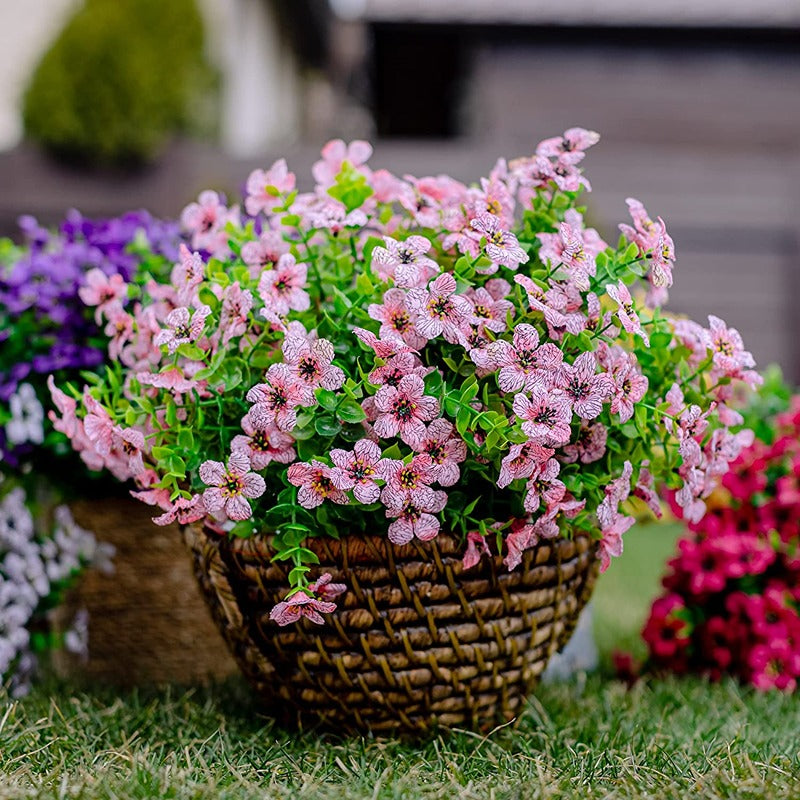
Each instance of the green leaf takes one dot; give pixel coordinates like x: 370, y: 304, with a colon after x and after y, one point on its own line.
x: 192, y: 352
x: 350, y: 411
x: 327, y: 399
x: 327, y: 426
x: 364, y: 285
x: 185, y: 439
x: 296, y: 574
x: 307, y: 556
x: 176, y: 466
x: 640, y: 418
x: 631, y: 253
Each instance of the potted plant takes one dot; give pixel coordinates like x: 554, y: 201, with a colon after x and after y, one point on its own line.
x: 731, y: 600
x: 52, y: 505
x: 402, y: 420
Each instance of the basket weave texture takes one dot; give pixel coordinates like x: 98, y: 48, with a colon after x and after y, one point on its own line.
x: 416, y: 643
x: 148, y: 623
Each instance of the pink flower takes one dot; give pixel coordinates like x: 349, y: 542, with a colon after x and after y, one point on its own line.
x: 567, y: 248
x: 230, y: 487
x: 645, y: 232
x: 520, y: 538
x: 589, y: 446
x: 571, y: 141
x: 310, y: 361
x: 416, y: 518
x: 183, y: 327
x: 502, y: 246
x: 522, y: 461
x: 726, y: 346
x: 276, y: 400
x: 439, y: 310
x: 663, y: 256
x: 560, y: 306
x: 119, y: 330
x: 265, y: 252
x: 264, y: 187
x: 264, y: 443
x: 183, y: 511
x: 489, y: 308
x: 329, y: 214
x: 130, y: 443
x: 630, y: 386
x: 405, y: 262
x: 626, y: 313
x: 358, y: 469
x: 102, y: 291
x: 282, y: 288
x: 395, y: 318
x: 445, y: 449
x: 334, y: 155
x: 404, y: 409
x: 396, y: 368
x: 316, y: 484
x: 611, y: 542
x: 67, y: 406
x: 236, y: 306
x: 585, y: 390
x: 645, y: 490
x: 299, y: 605
x: 525, y: 362
x: 494, y: 197
x: 544, y: 485
x: 205, y: 220
x: 150, y: 495
x: 383, y: 348
x: 97, y: 425
x: 407, y: 481
x: 326, y: 590
x: 775, y: 665
x: 475, y: 341
x: 171, y: 379
x: 547, y: 416
x: 476, y: 547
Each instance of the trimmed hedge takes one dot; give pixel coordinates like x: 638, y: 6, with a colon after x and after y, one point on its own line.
x: 121, y: 76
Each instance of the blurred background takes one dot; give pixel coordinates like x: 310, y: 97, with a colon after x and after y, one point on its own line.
x: 108, y: 105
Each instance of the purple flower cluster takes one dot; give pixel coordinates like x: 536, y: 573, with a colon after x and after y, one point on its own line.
x: 46, y: 326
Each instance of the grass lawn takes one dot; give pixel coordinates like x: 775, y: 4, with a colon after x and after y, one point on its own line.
x: 591, y: 738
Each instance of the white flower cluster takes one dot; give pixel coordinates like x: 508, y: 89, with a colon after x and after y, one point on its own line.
x: 27, y: 417
x: 30, y: 569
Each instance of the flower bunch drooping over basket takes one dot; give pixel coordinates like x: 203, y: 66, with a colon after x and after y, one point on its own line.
x: 413, y: 354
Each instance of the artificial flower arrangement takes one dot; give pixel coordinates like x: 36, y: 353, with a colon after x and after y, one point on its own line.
x: 48, y: 330
x: 731, y: 601
x: 412, y: 355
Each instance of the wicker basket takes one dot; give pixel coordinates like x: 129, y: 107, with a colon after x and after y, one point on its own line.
x: 416, y: 643
x: 148, y: 623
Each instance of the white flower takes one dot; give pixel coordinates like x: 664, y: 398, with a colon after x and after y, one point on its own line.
x: 27, y: 417
x: 16, y: 522
x: 76, y: 639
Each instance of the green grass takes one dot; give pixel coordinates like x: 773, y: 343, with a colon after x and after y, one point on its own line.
x: 591, y: 738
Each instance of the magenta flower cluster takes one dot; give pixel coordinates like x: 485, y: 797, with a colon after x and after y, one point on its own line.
x: 731, y: 603
x: 438, y: 356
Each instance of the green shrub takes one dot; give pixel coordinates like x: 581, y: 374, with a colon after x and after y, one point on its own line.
x: 121, y: 77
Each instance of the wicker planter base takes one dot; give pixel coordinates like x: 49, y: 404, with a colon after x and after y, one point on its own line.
x: 148, y: 623
x: 415, y: 643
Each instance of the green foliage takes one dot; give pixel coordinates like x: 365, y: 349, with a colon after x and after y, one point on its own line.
x: 121, y: 77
